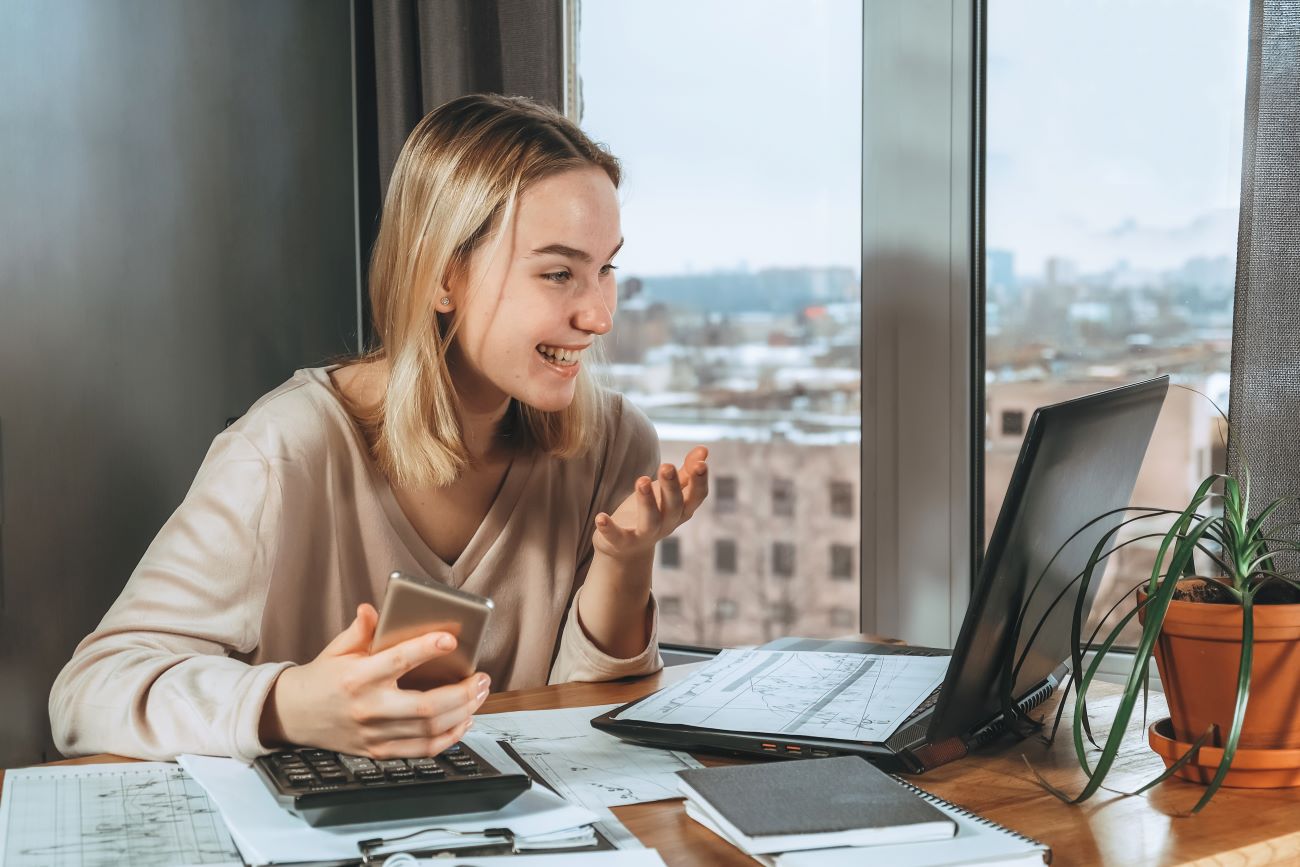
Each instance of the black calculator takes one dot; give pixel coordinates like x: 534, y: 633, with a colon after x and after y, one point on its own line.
x: 328, y: 788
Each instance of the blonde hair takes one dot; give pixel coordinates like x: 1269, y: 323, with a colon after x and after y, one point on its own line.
x: 458, y: 178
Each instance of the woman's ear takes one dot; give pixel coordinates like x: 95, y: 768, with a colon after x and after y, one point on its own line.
x: 445, y: 304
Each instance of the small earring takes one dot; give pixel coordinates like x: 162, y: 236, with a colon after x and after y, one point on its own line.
x: 445, y: 301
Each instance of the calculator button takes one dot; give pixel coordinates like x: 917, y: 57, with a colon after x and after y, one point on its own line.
x: 356, y: 764
x: 401, y: 776
x: 392, y: 764
x: 333, y: 776
x: 431, y: 773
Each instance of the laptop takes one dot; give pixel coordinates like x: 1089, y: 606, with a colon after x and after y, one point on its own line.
x: 1079, y: 459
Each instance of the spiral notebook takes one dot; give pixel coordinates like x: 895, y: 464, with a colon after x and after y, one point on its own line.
x: 979, y: 842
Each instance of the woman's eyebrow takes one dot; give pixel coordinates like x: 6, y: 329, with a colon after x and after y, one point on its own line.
x: 571, y: 252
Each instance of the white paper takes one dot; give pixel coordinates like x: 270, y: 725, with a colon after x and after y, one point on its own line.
x: 268, y: 834
x: 845, y: 696
x: 639, y: 858
x: 147, y: 814
x: 585, y: 765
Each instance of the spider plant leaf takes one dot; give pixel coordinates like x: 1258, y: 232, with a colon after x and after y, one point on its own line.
x: 1178, y: 765
x: 1156, y: 612
x: 1243, y: 697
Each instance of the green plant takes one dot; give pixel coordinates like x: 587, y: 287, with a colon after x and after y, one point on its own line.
x: 1243, y: 549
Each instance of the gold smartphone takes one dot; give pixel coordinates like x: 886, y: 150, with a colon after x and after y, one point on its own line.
x: 416, y: 606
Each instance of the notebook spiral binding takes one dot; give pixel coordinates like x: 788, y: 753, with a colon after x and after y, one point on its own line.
x: 967, y: 814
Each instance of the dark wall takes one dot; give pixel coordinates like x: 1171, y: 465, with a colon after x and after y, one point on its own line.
x: 176, y: 237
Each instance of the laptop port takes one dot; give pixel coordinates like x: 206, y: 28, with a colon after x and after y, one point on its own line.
x: 791, y: 748
x: 769, y: 747
x: 820, y: 753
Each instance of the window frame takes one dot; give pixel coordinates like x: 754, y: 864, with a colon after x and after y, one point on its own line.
x: 922, y: 274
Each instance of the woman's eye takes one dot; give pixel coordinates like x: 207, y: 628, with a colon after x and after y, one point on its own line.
x: 608, y: 269
x: 556, y: 276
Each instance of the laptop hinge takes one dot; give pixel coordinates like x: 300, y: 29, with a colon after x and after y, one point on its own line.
x: 936, y: 754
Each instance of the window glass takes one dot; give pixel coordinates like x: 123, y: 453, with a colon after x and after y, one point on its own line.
x: 670, y: 553
x: 842, y: 563
x: 783, y: 559
x: 1113, y: 174
x: 842, y: 499
x: 738, y: 123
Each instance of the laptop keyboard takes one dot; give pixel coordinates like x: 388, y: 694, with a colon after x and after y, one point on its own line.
x: 930, y: 701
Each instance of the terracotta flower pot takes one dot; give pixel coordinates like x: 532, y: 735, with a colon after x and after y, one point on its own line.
x: 1198, y: 653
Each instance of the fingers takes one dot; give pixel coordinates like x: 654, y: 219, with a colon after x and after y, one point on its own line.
x: 418, y: 747
x: 648, y: 516
x: 357, y: 637
x: 670, y: 494
x: 695, y: 485
x: 397, y: 660
x: 415, y: 715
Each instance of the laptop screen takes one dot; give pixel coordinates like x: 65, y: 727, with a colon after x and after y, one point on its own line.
x: 1079, y: 460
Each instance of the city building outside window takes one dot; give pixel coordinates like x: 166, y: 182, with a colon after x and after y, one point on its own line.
x: 739, y: 321
x: 724, y: 555
x: 842, y: 563
x: 843, y: 618
x: 670, y: 606
x: 1013, y: 422
x: 670, y: 553
x: 783, y: 559
x: 727, y: 609
x: 842, y: 500
x: 724, y: 493
x: 1112, y: 192
x: 783, y: 497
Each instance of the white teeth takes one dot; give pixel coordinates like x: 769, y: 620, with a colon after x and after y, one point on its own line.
x: 563, y: 356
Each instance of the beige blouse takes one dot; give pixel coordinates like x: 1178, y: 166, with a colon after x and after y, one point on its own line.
x: 288, y: 526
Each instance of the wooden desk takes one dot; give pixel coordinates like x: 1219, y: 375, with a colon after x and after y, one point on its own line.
x: 1240, y: 827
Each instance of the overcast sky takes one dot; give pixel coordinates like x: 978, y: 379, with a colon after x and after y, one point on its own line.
x: 1114, y: 129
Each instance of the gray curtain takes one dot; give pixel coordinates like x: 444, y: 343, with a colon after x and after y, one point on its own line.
x: 414, y: 55
x: 1265, y: 396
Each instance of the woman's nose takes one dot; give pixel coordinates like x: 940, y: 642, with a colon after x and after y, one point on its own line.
x: 595, y: 313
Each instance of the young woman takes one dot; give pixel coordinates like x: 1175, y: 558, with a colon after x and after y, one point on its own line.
x: 471, y: 447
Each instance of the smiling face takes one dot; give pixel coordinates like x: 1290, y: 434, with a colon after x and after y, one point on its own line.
x: 536, y: 296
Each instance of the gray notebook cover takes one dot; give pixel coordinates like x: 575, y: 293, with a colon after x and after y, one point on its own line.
x: 809, y: 796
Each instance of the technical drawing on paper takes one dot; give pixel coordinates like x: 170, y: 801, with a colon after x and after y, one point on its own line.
x: 845, y: 696
x: 584, y: 765
x: 146, y: 815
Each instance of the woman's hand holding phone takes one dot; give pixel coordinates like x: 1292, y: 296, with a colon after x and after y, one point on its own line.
x: 348, y: 700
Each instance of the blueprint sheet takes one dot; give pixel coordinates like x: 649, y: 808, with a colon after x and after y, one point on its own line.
x: 150, y: 814
x: 584, y: 765
x: 846, y: 696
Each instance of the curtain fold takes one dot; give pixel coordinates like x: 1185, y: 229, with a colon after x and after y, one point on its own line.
x: 414, y: 55
x: 1265, y: 395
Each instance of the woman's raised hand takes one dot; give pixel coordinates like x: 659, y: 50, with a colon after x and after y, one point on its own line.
x: 348, y: 700
x: 655, y: 509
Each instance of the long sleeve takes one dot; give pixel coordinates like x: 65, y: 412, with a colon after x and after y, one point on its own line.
x: 157, y: 677
x: 632, y: 451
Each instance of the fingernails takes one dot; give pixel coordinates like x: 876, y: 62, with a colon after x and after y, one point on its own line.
x: 670, y: 473
x: 446, y: 642
x: 701, y: 470
x: 483, y: 683
x: 469, y: 724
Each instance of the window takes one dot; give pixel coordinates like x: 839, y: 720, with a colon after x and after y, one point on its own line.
x: 842, y: 563
x: 670, y: 606
x: 726, y: 609
x: 739, y: 323
x: 783, y: 614
x: 725, y: 494
x: 724, y: 555
x: 842, y: 499
x: 783, y: 559
x: 843, y: 618
x: 783, y: 497
x: 1113, y: 190
x: 670, y: 553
